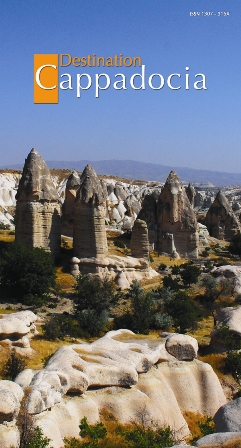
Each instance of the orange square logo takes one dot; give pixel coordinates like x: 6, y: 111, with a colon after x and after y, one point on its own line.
x: 46, y: 79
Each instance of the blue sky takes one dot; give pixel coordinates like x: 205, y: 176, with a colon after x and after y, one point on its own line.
x: 198, y: 129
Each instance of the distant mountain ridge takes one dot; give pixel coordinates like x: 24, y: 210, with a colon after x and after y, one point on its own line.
x: 131, y: 169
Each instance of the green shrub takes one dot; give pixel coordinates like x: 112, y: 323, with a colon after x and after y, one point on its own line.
x: 13, y: 366
x: 151, y: 258
x: 233, y: 364
x: 36, y: 439
x: 235, y: 245
x: 162, y: 267
x: 4, y: 226
x: 61, y: 325
x: 141, y: 437
x: 27, y: 272
x: 206, y: 427
x: 183, y: 311
x: 161, y: 321
x: 120, y: 244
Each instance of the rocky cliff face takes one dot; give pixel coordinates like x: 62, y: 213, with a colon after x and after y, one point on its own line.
x: 89, y: 238
x: 177, y: 224
x: 38, y: 208
x: 221, y: 220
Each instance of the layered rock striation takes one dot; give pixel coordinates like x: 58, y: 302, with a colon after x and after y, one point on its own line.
x: 139, y: 244
x: 89, y: 237
x: 38, y: 208
x: 221, y: 220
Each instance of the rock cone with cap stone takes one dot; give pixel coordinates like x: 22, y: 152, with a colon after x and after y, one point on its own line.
x: 38, y: 208
x: 221, y: 220
x: 177, y: 224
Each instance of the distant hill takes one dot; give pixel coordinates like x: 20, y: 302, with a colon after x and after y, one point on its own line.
x: 131, y: 169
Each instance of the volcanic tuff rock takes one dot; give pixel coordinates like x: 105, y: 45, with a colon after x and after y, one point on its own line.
x: 89, y: 238
x: 72, y: 185
x: 220, y: 440
x: 227, y: 418
x: 38, y: 209
x: 139, y: 244
x: 134, y: 379
x: 230, y: 316
x: 191, y: 193
x: 221, y: 220
x: 176, y: 217
x: 148, y: 213
x: 16, y: 330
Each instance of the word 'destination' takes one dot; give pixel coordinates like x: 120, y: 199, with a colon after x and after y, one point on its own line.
x: 47, y: 85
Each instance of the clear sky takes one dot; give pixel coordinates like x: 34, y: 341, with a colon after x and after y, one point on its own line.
x: 194, y: 128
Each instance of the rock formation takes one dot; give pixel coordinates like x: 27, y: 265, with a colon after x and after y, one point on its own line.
x: 89, y: 238
x: 38, y: 209
x: 191, y: 193
x: 72, y: 186
x: 177, y: 224
x: 139, y: 244
x: 148, y: 213
x: 132, y: 378
x: 221, y: 220
x: 230, y: 316
x: 227, y: 418
x: 16, y: 331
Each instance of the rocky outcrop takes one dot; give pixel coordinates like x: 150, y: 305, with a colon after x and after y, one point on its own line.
x: 38, y: 209
x: 231, y: 273
x: 89, y: 238
x: 72, y: 186
x: 220, y: 440
x: 134, y: 379
x: 227, y: 418
x: 221, y: 220
x: 231, y: 317
x: 16, y: 330
x: 182, y: 347
x: 112, y: 266
x: 177, y: 224
x: 139, y: 244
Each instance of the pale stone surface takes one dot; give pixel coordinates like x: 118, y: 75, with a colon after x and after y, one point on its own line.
x: 221, y: 220
x: 38, y: 209
x: 230, y: 272
x: 136, y: 379
x: 122, y: 281
x: 89, y: 238
x: 220, y: 440
x: 191, y: 193
x: 176, y: 217
x: 17, y: 328
x: 230, y: 316
x: 182, y: 347
x: 11, y: 395
x: 9, y: 436
x: 139, y: 244
x: 227, y: 418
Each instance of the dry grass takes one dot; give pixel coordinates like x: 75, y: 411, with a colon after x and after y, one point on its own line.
x: 43, y: 348
x: 193, y: 419
x: 6, y: 237
x: 64, y: 280
x: 202, y: 333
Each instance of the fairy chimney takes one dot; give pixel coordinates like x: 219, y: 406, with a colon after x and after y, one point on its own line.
x: 38, y: 208
x: 177, y: 224
x: 139, y: 244
x: 89, y: 236
x: 220, y: 220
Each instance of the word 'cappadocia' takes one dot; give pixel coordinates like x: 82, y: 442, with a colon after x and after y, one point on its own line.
x: 48, y: 81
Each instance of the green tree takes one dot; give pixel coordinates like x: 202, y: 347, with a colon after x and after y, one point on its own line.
x: 233, y: 364
x: 37, y: 440
x: 92, y: 301
x: 235, y: 245
x: 171, y: 283
x: 189, y: 273
x: 29, y: 273
x: 183, y: 312
x: 141, y: 307
x: 13, y: 366
x: 215, y: 293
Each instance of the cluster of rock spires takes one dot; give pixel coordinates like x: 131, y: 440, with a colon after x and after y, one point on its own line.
x: 166, y: 221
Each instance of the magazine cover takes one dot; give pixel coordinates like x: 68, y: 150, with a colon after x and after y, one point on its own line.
x: 120, y: 205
